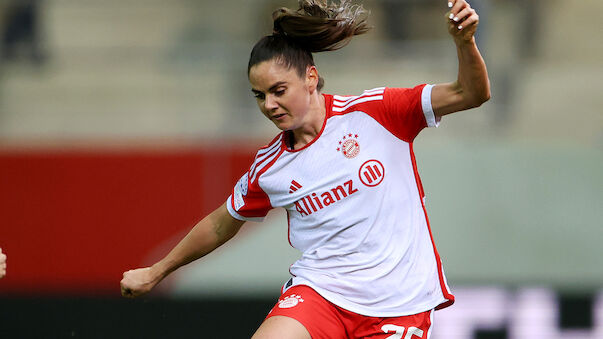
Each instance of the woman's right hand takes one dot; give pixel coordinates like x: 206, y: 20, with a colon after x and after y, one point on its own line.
x: 209, y: 233
x: 138, y: 282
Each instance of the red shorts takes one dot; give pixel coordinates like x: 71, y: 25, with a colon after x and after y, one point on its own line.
x: 325, y: 320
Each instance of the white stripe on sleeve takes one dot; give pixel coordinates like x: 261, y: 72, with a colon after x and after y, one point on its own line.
x: 432, y: 120
x: 355, y: 102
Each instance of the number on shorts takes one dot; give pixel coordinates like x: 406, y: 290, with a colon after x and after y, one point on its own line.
x: 399, y: 331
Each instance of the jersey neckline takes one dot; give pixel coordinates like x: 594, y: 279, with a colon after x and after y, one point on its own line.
x: 328, y: 114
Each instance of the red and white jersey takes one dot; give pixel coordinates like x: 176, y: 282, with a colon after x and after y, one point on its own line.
x: 354, y: 202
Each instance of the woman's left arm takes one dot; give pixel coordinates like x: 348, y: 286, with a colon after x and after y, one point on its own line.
x: 472, y: 88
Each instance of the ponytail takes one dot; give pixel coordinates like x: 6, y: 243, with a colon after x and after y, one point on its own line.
x: 318, y: 27
x: 315, y: 27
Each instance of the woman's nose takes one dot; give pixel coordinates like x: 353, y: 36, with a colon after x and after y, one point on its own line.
x: 270, y: 103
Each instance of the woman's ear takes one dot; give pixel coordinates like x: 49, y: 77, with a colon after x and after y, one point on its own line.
x: 312, y: 78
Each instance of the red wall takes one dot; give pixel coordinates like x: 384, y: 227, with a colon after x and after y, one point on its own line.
x: 72, y: 221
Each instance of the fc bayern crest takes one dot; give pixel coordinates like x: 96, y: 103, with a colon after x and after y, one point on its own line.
x: 349, y: 146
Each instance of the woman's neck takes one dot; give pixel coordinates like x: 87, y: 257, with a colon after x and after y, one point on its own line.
x: 312, y: 127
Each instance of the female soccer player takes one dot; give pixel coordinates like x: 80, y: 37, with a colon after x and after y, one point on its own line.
x: 344, y: 170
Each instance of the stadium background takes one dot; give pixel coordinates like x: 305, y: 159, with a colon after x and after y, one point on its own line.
x: 124, y: 122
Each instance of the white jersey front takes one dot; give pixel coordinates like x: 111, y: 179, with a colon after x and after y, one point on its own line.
x: 354, y: 202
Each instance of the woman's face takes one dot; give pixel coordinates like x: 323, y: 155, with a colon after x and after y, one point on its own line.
x: 282, y: 95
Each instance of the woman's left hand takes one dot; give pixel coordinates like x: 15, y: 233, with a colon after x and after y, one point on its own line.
x: 462, y: 21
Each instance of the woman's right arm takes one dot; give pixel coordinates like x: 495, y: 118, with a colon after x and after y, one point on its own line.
x: 209, y: 233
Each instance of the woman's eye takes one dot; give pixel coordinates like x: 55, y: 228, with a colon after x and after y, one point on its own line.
x: 280, y: 92
x: 259, y: 96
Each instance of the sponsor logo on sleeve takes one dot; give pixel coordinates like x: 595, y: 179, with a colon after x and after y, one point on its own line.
x: 240, y: 191
x: 243, y: 183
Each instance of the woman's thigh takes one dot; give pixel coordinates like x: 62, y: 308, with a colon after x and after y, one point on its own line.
x: 281, y: 327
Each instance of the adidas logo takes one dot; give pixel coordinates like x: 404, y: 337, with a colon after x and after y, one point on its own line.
x: 294, y: 186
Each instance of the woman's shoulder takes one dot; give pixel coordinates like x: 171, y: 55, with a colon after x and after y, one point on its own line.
x: 347, y: 103
x: 274, y: 144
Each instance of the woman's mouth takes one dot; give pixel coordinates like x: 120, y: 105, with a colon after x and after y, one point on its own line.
x: 278, y: 116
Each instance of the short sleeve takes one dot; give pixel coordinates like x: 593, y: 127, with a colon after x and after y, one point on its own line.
x: 248, y: 202
x: 408, y: 111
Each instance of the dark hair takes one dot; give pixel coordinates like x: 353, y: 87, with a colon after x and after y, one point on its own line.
x: 316, y: 26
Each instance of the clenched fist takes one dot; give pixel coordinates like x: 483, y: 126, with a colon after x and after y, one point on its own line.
x: 462, y: 20
x: 138, y: 282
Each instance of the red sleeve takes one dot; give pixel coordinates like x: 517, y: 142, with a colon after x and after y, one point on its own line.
x: 248, y: 201
x: 403, y: 112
